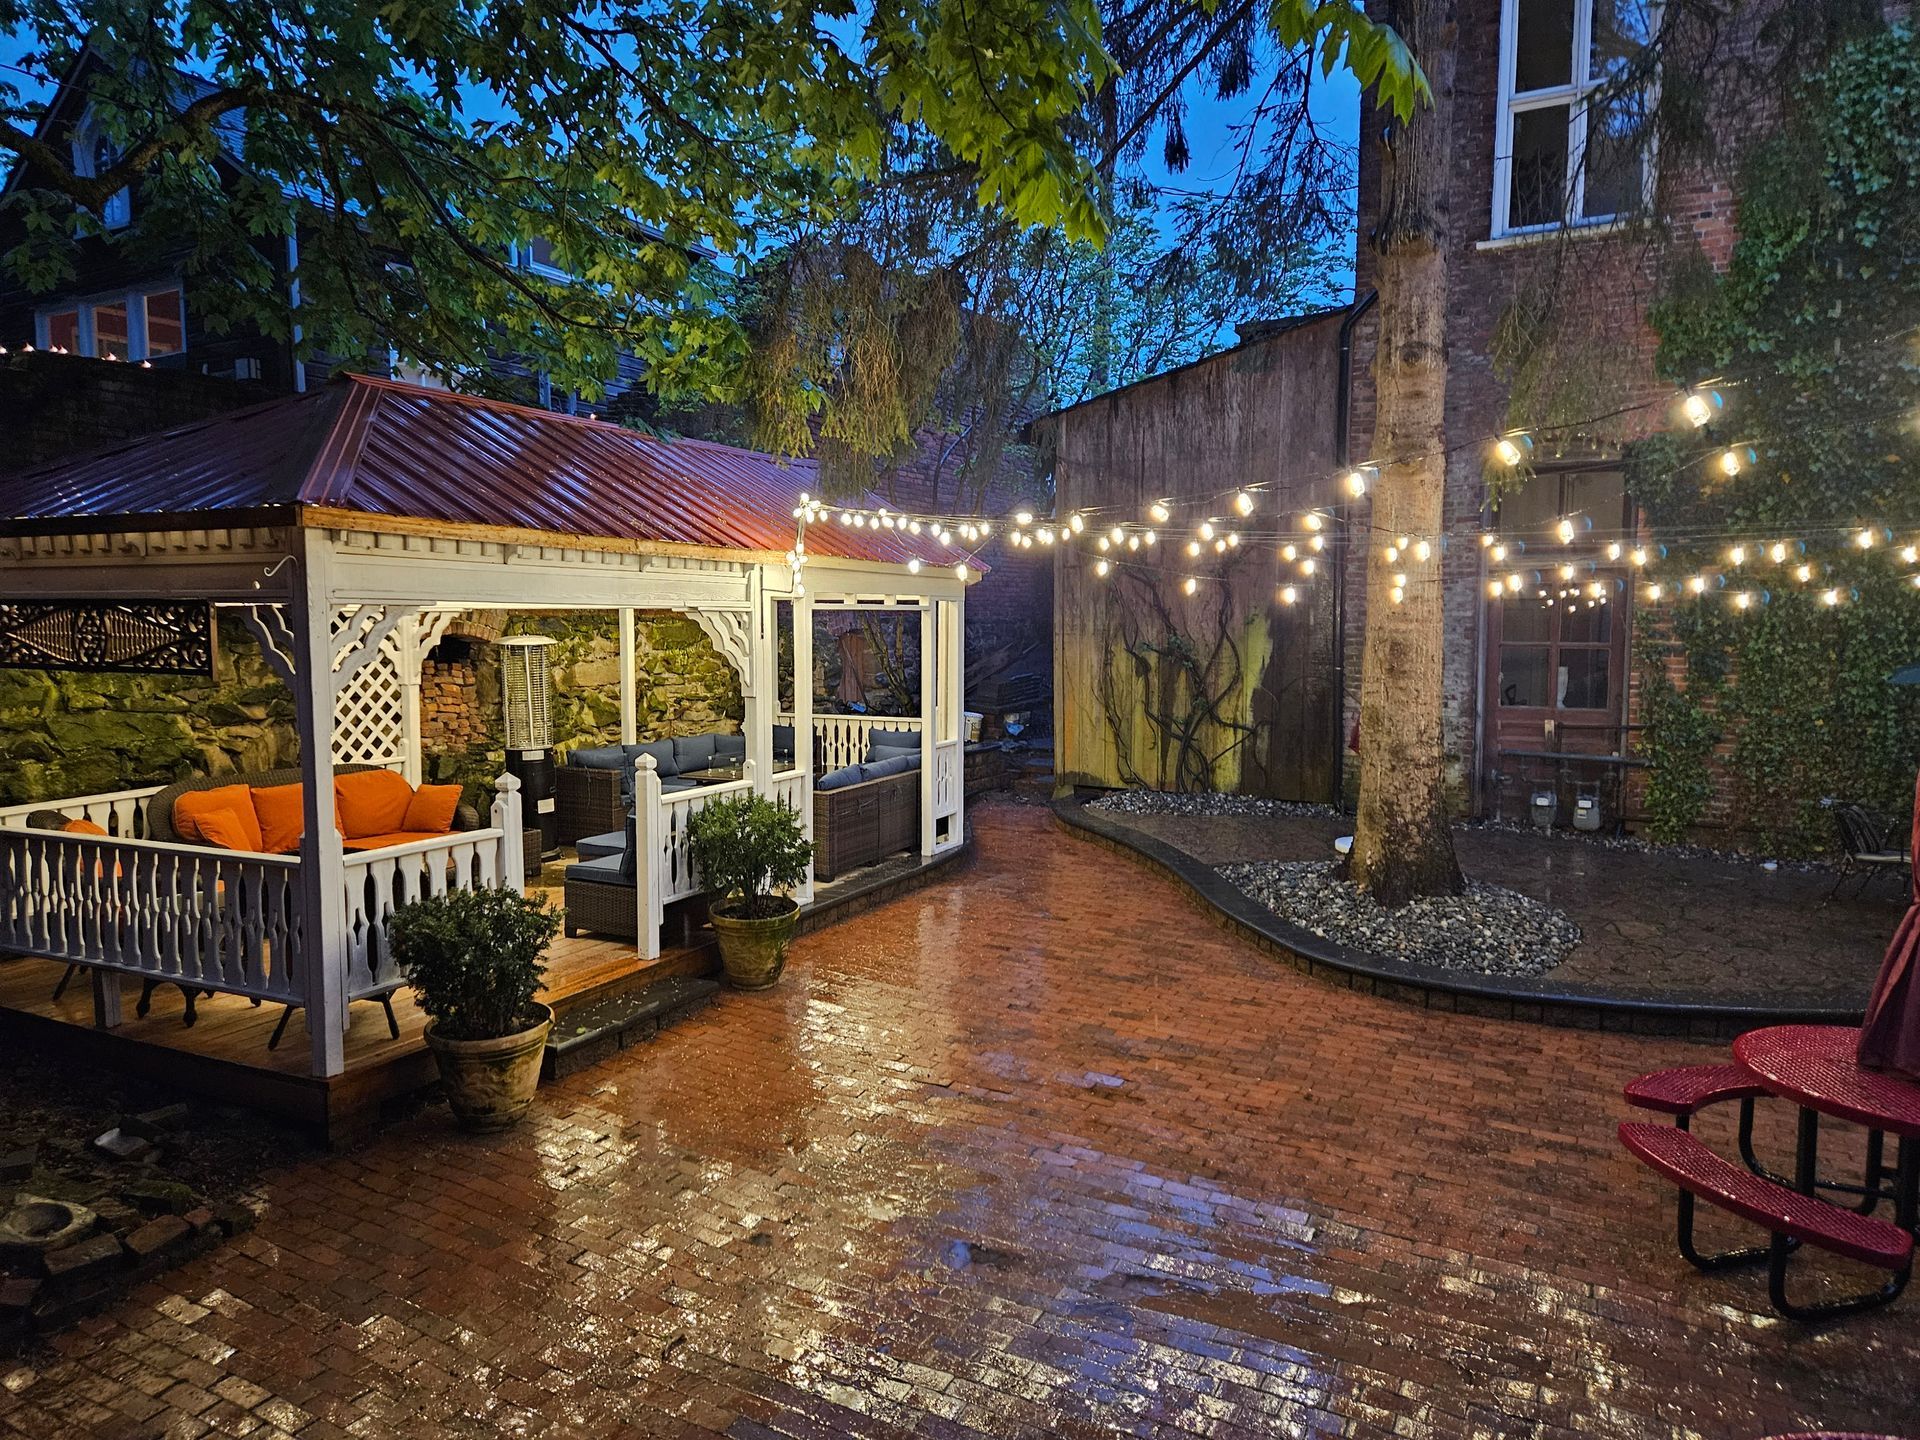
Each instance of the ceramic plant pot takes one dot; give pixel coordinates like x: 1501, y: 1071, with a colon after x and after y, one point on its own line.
x: 490, y: 1083
x: 753, y: 952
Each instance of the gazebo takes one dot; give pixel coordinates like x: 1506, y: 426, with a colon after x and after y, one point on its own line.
x: 346, y: 529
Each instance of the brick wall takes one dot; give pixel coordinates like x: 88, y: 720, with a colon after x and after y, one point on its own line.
x: 1603, y: 278
x: 56, y: 405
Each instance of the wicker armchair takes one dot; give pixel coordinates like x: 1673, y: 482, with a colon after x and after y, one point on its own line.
x: 856, y: 825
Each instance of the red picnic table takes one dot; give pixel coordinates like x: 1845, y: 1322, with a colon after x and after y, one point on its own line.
x: 1815, y: 1067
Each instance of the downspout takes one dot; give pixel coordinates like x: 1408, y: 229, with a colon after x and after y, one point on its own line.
x: 1342, y: 403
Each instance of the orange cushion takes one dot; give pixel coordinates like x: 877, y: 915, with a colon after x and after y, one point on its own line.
x: 283, y: 818
x: 190, y: 808
x: 431, y: 809
x: 230, y: 831
x: 371, y: 802
x: 396, y: 837
x: 83, y: 827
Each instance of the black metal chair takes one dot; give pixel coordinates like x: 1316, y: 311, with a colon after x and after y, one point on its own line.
x: 1863, y: 851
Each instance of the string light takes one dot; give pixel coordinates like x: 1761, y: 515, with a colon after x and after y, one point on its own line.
x: 1423, y: 551
x: 1117, y: 534
x: 1357, y: 482
x: 1736, y: 458
x: 1700, y: 406
x: 1206, y: 530
x: 1151, y: 537
x: 964, y: 571
x: 1191, y: 585
x: 1101, y: 567
x: 1243, y: 502
x: 1193, y: 547
x: 1288, y: 594
x: 1159, y: 511
x: 1076, y: 522
x: 1289, y: 553
x: 1311, y: 520
x: 1307, y: 566
x: 913, y: 566
x: 1512, y: 450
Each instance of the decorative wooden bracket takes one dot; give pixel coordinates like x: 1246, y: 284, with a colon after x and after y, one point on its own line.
x: 359, y: 635
x: 267, y: 623
x: 731, y: 634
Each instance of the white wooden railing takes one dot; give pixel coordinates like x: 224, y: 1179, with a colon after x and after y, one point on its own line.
x: 949, y: 777
x: 214, y: 919
x: 118, y: 812
x: 842, y: 739
x: 220, y: 920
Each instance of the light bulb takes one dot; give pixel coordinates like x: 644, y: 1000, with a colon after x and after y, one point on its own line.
x: 1100, y: 567
x: 1804, y: 574
x: 1311, y: 520
x: 1076, y: 522
x: 1613, y: 551
x: 1151, y: 537
x: 913, y: 566
x: 1864, y: 539
x: 1738, y: 555
x: 1499, y: 553
x: 1318, y: 543
x: 1220, y: 547
x: 1045, y: 535
x: 1023, y: 517
x: 1422, y: 551
x: 1289, y: 553
x: 1910, y: 553
x: 1654, y: 592
x: 964, y: 571
x: 1495, y: 589
x: 1356, y: 483
x: 1565, y: 530
x: 1307, y: 566
x: 1133, y: 542
x: 1777, y: 552
x: 1104, y: 543
x: 1403, y: 543
x: 1639, y: 555
x: 1243, y: 502
x: 1393, y: 554
x: 1288, y: 594
x: 1511, y: 450
x: 1732, y: 462
x: 1233, y: 537
x: 913, y: 526
x: 845, y: 518
x: 1397, y: 594
x: 1698, y: 584
x: 1514, y: 582
x: 1400, y: 582
x: 1830, y: 597
x: 1191, y: 585
x: 1193, y: 547
x: 1206, y: 529
x: 1566, y: 572
x: 1117, y: 534
x: 1743, y: 601
x: 1700, y: 406
x: 1159, y: 511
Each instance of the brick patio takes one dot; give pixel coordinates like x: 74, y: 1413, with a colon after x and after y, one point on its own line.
x: 1035, y: 1152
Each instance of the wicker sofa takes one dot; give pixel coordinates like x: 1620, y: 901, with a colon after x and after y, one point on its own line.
x: 864, y: 821
x: 594, y: 784
x: 160, y: 807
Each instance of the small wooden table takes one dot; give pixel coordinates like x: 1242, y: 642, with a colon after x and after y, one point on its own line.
x: 715, y: 774
x: 1815, y: 1066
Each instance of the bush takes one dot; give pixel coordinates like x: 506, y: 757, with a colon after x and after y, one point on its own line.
x: 473, y: 958
x: 751, y: 848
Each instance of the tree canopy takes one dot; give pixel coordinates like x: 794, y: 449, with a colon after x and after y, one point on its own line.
x: 655, y: 146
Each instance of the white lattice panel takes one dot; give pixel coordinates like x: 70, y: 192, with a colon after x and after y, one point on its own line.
x: 369, y: 710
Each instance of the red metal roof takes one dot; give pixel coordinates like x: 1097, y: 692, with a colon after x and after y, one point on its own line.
x: 385, y: 448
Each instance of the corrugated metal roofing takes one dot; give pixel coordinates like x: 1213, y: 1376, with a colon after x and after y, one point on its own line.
x: 385, y: 448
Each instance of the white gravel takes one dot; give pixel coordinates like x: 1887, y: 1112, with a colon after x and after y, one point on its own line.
x: 1488, y: 930
x: 1201, y: 803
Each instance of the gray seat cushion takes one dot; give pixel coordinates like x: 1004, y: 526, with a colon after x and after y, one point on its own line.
x: 837, y: 779
x: 891, y: 765
x: 693, y: 752
x: 597, y: 757
x: 729, y: 747
x: 604, y: 871
x: 598, y: 847
x: 660, y: 750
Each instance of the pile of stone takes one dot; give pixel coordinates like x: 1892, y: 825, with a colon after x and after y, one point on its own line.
x: 1194, y: 803
x: 450, y: 717
x: 68, y: 1247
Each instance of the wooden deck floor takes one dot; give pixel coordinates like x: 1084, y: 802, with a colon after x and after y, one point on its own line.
x: 225, y: 1052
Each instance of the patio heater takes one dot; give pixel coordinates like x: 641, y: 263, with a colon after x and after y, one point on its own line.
x: 523, y: 691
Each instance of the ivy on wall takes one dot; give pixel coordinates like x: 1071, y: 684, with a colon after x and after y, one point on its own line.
x: 1817, y: 323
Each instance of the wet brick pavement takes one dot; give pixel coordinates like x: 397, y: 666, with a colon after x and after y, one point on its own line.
x: 1037, y: 1151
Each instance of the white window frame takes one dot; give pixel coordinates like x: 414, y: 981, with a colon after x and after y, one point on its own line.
x: 1573, y: 96
x: 117, y: 213
x: 523, y: 259
x: 135, y: 302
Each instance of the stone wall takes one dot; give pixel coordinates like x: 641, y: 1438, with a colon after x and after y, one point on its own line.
x: 64, y: 733
x: 683, y: 685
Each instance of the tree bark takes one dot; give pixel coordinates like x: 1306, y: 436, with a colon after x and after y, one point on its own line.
x: 1402, y: 848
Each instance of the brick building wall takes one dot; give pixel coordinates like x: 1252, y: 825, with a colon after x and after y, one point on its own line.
x: 1604, y: 276
x: 57, y: 405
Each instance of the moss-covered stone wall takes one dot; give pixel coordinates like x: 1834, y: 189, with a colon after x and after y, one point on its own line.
x: 63, y: 733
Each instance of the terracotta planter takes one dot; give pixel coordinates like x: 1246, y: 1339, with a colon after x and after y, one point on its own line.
x: 753, y: 952
x: 490, y: 1083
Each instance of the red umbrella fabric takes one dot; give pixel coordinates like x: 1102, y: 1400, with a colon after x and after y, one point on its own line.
x: 1890, y: 1035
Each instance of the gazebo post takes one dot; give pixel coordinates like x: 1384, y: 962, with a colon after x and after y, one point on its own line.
x: 929, y: 693
x: 323, y: 880
x: 803, y: 721
x: 759, y: 691
x: 629, y: 700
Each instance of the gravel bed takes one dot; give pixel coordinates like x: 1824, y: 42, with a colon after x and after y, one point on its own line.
x: 1202, y: 803
x: 1489, y: 930
x: 1643, y: 846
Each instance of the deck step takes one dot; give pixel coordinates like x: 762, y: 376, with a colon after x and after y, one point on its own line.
x: 1692, y: 1166
x: 590, y: 1033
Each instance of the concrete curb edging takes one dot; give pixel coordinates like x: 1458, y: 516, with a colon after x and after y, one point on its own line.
x: 1496, y: 996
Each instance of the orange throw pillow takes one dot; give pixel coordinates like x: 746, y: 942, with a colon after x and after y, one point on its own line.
x: 229, y: 830
x: 191, y: 808
x: 371, y: 802
x: 431, y: 809
x: 83, y: 827
x: 283, y: 818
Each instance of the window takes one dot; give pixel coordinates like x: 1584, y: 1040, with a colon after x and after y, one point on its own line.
x: 95, y: 154
x: 537, y: 255
x: 1557, y: 654
x: 1569, y: 141
x: 136, y: 325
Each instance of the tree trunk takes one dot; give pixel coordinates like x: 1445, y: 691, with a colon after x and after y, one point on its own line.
x: 1402, y: 848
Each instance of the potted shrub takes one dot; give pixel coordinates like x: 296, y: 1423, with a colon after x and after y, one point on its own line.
x: 473, y: 959
x: 750, y: 850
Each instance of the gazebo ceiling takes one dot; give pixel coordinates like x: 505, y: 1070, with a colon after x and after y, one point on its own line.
x: 379, y: 447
